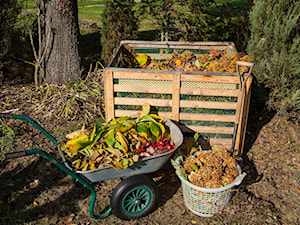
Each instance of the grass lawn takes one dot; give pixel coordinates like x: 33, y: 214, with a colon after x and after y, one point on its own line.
x: 30, y: 4
x: 85, y: 3
x: 91, y: 14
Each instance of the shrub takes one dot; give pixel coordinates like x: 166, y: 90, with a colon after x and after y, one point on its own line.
x: 119, y: 23
x: 274, y: 43
x: 8, y: 15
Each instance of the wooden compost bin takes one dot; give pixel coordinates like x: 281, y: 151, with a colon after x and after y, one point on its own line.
x: 209, y: 103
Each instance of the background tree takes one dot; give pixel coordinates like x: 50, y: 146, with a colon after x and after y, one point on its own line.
x: 274, y: 42
x: 119, y: 23
x: 194, y: 21
x: 162, y: 13
x: 8, y: 16
x: 58, y: 50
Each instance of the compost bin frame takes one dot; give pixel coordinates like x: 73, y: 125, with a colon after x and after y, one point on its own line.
x: 177, y: 78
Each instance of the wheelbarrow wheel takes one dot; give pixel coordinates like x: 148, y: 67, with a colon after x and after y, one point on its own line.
x: 134, y: 197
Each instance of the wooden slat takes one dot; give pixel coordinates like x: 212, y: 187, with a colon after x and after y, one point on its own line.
x: 207, y: 104
x: 142, y: 101
x: 137, y: 73
x: 206, y: 117
x: 225, y: 78
x: 108, y: 95
x: 142, y: 74
x: 142, y: 89
x: 120, y: 113
x: 221, y: 141
x: 244, y: 118
x: 207, y: 129
x: 180, y: 45
x: 175, y: 96
x: 209, y: 92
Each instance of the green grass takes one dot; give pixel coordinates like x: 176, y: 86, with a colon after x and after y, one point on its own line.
x: 91, y: 14
x: 85, y: 3
x: 30, y: 4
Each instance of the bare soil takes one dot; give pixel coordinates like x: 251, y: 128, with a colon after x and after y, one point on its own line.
x: 33, y: 191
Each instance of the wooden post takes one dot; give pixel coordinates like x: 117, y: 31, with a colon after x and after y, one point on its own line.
x: 109, y: 95
x: 176, y: 96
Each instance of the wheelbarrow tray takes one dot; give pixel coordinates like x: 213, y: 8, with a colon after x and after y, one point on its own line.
x: 143, y: 166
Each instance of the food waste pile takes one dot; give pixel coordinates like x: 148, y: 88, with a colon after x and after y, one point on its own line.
x: 214, y: 61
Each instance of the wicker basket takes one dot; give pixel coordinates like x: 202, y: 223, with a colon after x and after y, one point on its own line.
x: 202, y: 201
x: 207, y: 201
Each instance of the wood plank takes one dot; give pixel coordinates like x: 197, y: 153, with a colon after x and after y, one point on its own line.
x: 207, y: 104
x: 221, y: 141
x: 206, y: 117
x: 209, y: 92
x: 120, y: 113
x: 214, y: 77
x: 179, y: 45
x: 142, y: 89
x: 143, y: 74
x: 207, y: 129
x: 134, y: 72
x: 244, y: 118
x: 142, y: 101
x: 175, y: 96
x: 108, y: 95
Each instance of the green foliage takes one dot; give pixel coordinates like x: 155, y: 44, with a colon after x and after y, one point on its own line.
x: 6, y: 138
x: 195, y: 21
x: 212, y: 20
x: 163, y: 15
x: 275, y: 40
x: 119, y: 23
x: 8, y: 15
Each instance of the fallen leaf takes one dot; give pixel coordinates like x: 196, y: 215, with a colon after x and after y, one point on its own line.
x: 35, y: 203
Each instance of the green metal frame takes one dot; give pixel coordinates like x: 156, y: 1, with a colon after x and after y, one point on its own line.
x: 55, y: 162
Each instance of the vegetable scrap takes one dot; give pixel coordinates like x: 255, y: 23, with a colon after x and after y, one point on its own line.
x: 154, y: 148
x: 119, y: 143
x: 216, y: 61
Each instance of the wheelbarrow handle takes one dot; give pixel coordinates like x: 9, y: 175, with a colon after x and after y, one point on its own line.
x: 35, y: 124
x: 6, y: 115
x: 14, y: 155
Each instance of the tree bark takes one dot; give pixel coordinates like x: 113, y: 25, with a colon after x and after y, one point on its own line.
x: 61, y: 62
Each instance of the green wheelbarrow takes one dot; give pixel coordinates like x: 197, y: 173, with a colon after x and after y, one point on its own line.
x: 134, y: 197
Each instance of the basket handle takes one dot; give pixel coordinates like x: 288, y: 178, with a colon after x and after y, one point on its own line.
x: 239, y: 179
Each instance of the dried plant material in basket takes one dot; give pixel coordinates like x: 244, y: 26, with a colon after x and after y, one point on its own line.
x: 211, y: 169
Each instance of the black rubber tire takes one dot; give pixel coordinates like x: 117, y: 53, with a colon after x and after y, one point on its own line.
x: 134, y: 197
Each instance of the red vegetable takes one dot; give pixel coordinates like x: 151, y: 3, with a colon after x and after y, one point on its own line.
x: 153, y: 148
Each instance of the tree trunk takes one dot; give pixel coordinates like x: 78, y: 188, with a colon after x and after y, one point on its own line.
x: 59, y: 41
